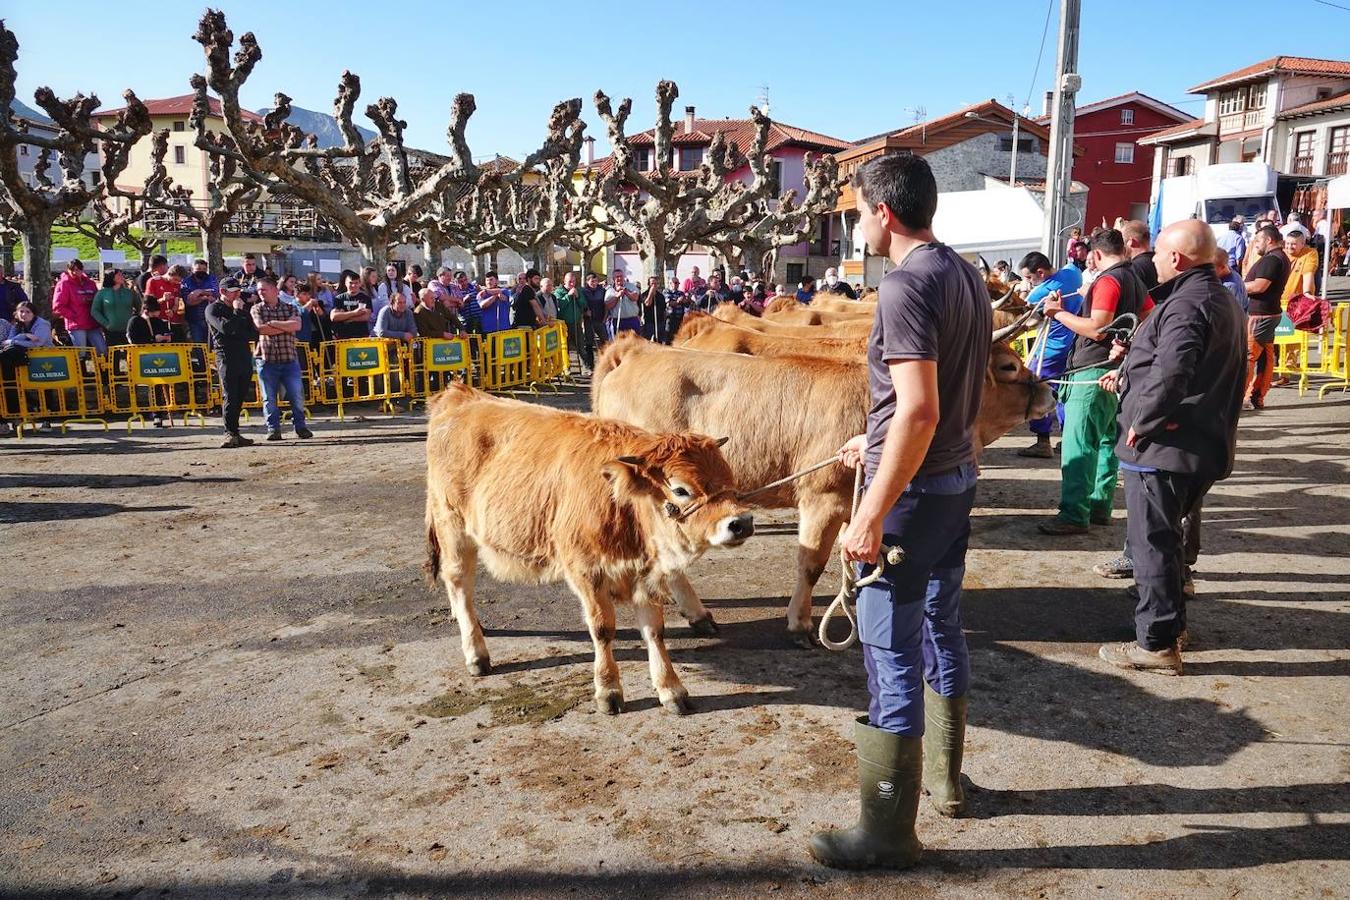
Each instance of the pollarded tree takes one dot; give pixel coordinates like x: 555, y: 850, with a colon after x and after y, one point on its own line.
x: 42, y: 203
x: 753, y: 242
x: 108, y: 226
x: 229, y: 188
x: 663, y: 211
x: 366, y: 190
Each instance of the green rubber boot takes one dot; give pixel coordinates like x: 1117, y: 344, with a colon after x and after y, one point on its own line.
x: 889, y: 771
x: 944, y: 736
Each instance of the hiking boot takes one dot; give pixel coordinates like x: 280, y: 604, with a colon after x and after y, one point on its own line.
x: 1258, y: 403
x: 1132, y: 656
x: 890, y: 769
x: 234, y: 441
x: 1059, y: 527
x: 1120, y: 567
x: 1038, y: 450
x: 944, y: 737
x: 274, y: 435
x: 303, y: 433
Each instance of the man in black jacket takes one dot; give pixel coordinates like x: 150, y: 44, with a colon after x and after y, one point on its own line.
x: 1180, y: 389
x: 232, y: 329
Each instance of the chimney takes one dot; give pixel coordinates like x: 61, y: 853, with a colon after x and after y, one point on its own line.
x: 1049, y: 103
x: 590, y: 151
x: 688, y: 120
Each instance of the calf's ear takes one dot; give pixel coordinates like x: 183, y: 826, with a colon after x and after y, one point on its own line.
x: 624, y: 466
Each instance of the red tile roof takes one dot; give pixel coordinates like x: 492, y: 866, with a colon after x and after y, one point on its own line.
x: 180, y: 106
x: 741, y: 132
x: 1184, y: 129
x: 1293, y: 65
x: 1327, y: 104
x: 986, y: 108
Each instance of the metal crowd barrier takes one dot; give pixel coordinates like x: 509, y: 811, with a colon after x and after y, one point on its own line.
x: 64, y: 383
x: 159, y: 378
x: 75, y: 385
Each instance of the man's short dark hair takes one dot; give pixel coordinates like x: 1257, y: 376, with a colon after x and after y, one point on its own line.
x: 489, y: 275
x: 903, y: 182
x: 303, y: 288
x: 268, y: 279
x: 1109, y: 241
x: 200, y: 262
x: 158, y: 260
x: 1271, y: 232
x: 1135, y: 230
x: 531, y: 274
x: 250, y: 256
x: 151, y: 304
x: 1035, y: 261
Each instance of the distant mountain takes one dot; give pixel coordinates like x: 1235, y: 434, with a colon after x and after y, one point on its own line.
x: 28, y: 112
x: 321, y: 125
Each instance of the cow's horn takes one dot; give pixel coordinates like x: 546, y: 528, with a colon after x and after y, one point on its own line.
x: 1017, y: 327
x: 984, y: 265
x: 1002, y: 301
x: 722, y: 440
x: 632, y: 460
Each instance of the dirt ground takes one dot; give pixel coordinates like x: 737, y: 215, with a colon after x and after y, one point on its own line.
x: 224, y: 677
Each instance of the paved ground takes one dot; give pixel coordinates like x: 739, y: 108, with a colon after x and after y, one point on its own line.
x: 224, y: 677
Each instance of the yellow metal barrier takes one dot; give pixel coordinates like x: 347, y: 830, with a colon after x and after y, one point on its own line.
x: 506, y: 359
x: 159, y: 378
x: 1291, y: 352
x: 56, y: 383
x: 359, y: 370
x: 549, y: 354
x: 1335, y: 355
x: 254, y: 400
x: 433, y: 362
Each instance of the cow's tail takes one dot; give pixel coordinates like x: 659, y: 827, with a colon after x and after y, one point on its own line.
x: 431, y: 568
x: 611, y: 357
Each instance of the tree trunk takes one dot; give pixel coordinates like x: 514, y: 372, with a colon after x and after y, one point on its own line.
x: 37, y: 265
x: 7, y: 257
x: 213, y: 245
x: 433, y: 248
x: 375, y: 254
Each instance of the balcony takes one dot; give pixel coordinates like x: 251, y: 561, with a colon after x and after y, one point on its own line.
x: 1338, y: 163
x: 261, y: 220
x: 1243, y: 121
x: 1303, y: 165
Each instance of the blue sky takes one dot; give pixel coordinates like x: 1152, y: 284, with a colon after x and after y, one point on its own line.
x: 847, y: 70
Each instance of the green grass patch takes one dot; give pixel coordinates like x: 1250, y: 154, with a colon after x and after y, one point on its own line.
x: 64, y: 236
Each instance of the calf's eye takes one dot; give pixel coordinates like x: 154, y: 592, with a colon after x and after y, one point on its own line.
x: 682, y: 493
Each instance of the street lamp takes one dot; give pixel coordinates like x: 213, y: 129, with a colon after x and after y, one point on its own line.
x: 1012, y: 175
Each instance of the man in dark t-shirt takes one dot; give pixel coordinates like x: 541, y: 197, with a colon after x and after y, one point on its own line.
x: 1136, y: 237
x: 926, y: 357
x: 1265, y: 284
x: 351, y: 311
x: 525, y: 309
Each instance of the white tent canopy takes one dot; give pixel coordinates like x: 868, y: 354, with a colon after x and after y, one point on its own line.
x: 1338, y: 193
x: 998, y: 222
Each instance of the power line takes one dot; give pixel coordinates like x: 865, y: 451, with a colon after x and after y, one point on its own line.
x: 1035, y: 73
x: 1333, y: 5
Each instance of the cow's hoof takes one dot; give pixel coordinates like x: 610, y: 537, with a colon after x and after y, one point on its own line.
x: 480, y: 666
x: 679, y: 705
x: 610, y: 703
x: 704, y: 627
x: 806, y: 640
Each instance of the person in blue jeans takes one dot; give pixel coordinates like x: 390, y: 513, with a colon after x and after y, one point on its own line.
x: 926, y: 359
x: 276, y: 359
x: 1050, y: 355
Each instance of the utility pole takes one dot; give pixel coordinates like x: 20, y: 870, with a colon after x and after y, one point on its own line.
x: 1059, y: 169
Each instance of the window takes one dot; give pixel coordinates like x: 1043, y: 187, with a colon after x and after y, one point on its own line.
x: 1124, y: 153
x: 690, y: 158
x: 1232, y: 102
x: 1127, y: 117
x: 1256, y: 96
x: 179, y: 126
x: 1323, y: 93
x: 795, y: 273
x: 642, y: 159
x: 1024, y: 144
x: 776, y: 177
x: 95, y: 177
x: 1338, y: 150
x: 179, y: 155
x: 23, y: 149
x: 1181, y: 165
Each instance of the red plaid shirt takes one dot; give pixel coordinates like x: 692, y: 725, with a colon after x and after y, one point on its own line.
x: 275, y: 348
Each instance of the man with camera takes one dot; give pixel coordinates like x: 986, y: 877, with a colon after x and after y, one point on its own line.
x: 232, y: 330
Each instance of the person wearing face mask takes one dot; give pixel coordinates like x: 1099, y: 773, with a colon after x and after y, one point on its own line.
x: 834, y: 286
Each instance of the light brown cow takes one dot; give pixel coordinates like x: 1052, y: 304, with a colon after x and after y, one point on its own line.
x: 782, y: 415
x: 729, y: 312
x: 867, y: 303
x: 700, y: 331
x: 810, y: 315
x: 546, y: 495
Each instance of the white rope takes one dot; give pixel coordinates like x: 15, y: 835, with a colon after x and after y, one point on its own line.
x: 847, y: 598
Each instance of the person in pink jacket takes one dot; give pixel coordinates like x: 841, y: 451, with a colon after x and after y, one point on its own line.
x: 73, y: 301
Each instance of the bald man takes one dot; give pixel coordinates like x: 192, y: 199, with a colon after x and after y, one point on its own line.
x: 1180, y: 387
